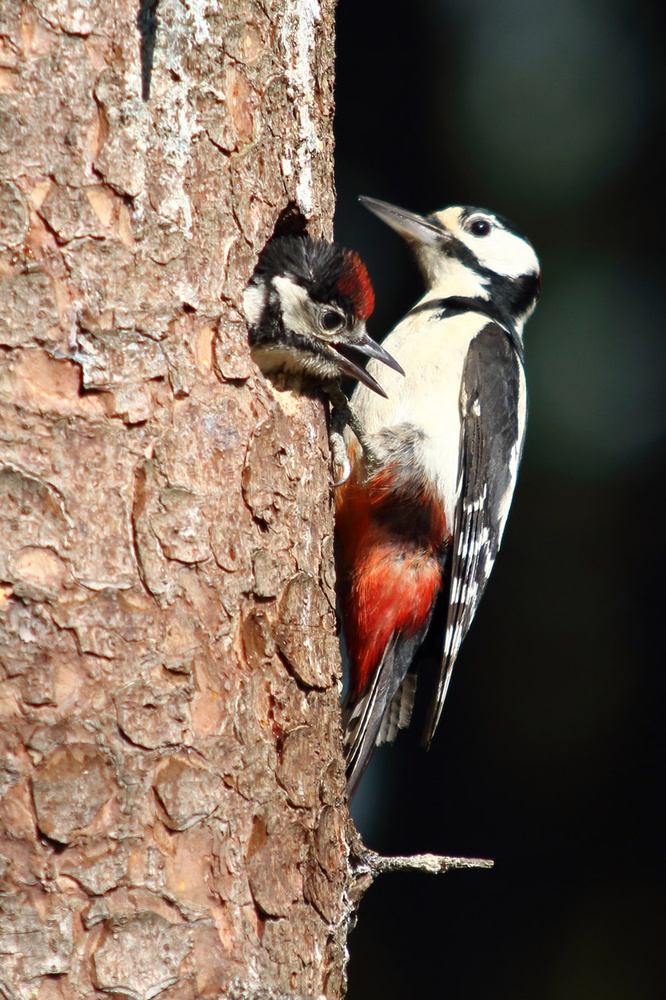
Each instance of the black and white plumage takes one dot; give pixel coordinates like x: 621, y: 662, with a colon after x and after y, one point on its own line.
x: 422, y: 518
x: 306, y: 306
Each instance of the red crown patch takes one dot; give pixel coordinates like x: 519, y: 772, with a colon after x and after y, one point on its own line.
x: 355, y: 283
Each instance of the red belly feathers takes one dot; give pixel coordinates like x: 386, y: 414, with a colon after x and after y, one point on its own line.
x: 389, y: 565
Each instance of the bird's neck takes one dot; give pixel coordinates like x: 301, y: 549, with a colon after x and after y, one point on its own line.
x: 454, y: 305
x: 506, y: 300
x: 446, y: 276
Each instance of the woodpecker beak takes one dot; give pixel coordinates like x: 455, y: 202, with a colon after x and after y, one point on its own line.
x: 414, y: 228
x: 364, y: 344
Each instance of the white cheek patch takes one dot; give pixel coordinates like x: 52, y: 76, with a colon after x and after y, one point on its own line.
x: 297, y: 313
x: 504, y: 253
x: 254, y: 301
x: 500, y: 251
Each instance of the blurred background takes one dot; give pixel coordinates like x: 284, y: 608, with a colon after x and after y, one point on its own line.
x: 550, y: 757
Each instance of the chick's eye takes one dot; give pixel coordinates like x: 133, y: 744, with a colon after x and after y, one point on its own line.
x: 331, y: 320
x: 480, y: 227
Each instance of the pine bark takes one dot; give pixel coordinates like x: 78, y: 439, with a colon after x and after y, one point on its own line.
x: 171, y: 787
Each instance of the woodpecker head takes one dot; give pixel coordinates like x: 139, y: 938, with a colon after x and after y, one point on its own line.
x: 306, y: 307
x: 470, y: 253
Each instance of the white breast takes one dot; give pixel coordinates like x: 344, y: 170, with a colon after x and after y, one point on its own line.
x: 432, y: 353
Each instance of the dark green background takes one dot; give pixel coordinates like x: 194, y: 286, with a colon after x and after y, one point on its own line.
x: 550, y: 755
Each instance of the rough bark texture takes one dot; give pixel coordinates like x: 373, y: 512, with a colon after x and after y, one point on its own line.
x: 170, y: 780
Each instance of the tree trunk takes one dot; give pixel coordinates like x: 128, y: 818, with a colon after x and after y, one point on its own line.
x: 172, y: 820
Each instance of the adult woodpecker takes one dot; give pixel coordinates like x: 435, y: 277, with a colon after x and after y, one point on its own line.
x: 306, y: 307
x: 421, y: 518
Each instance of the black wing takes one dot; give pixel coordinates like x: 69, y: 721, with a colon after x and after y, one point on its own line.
x: 383, y: 708
x: 491, y: 445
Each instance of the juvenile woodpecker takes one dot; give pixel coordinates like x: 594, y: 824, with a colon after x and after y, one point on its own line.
x: 421, y: 518
x: 306, y: 307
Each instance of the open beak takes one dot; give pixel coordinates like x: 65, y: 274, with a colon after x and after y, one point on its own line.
x: 364, y: 344
x: 414, y: 228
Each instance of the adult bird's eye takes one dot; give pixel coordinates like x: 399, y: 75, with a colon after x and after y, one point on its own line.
x: 480, y: 227
x: 331, y: 320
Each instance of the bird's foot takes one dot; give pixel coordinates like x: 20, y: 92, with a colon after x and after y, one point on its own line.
x: 339, y: 456
x: 343, y: 415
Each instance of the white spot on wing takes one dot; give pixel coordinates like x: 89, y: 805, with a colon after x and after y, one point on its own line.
x: 479, y: 503
x: 514, y: 457
x: 471, y: 547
